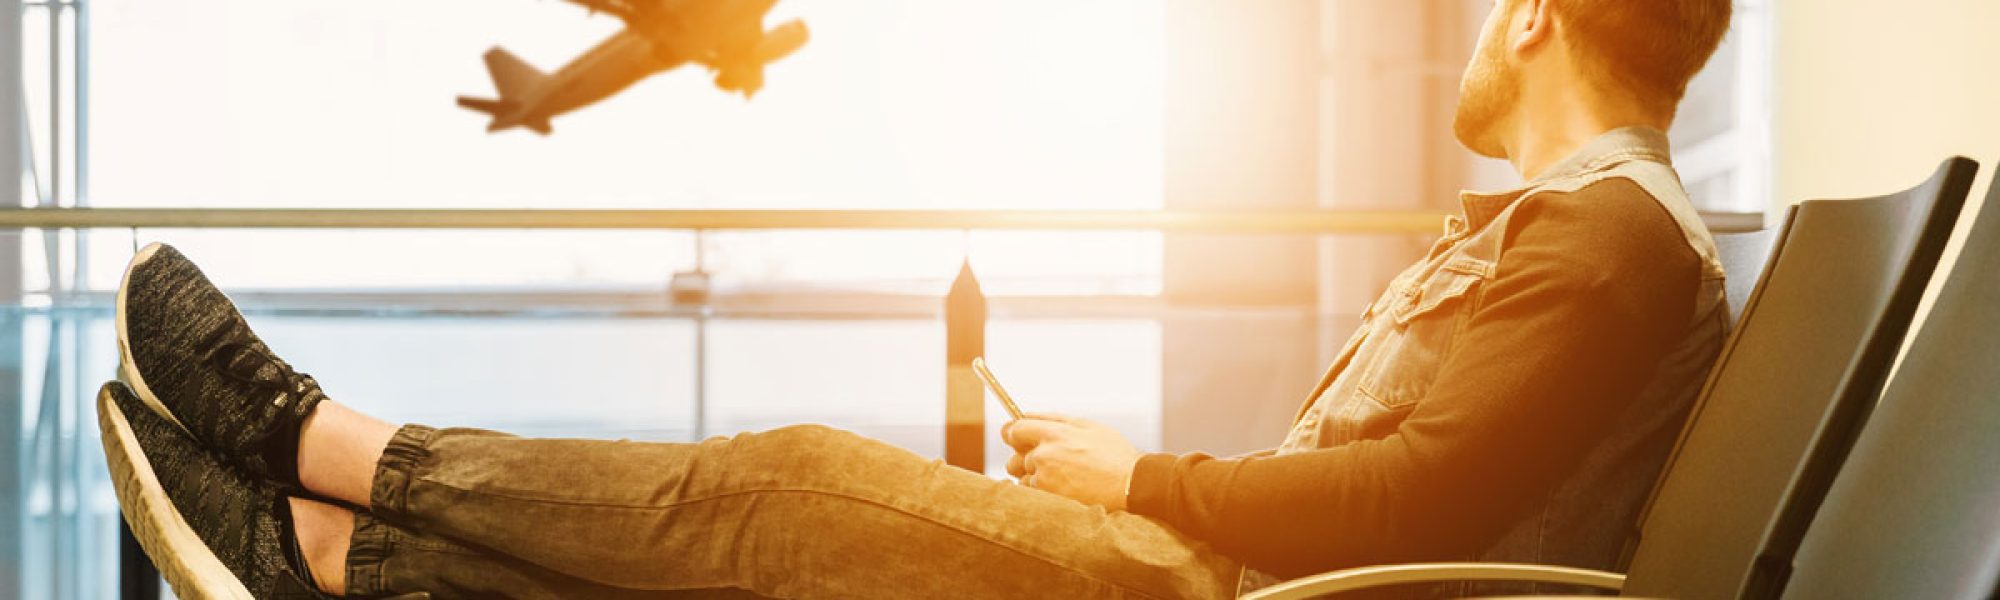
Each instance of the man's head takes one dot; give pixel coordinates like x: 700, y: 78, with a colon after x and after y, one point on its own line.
x: 1627, y: 56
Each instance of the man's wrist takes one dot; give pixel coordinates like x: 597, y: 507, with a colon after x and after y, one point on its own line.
x: 1145, y: 485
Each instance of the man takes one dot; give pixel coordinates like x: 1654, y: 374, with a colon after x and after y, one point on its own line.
x: 1510, y: 397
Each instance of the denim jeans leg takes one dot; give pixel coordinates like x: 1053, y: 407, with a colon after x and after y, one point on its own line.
x: 385, y: 560
x: 802, y: 511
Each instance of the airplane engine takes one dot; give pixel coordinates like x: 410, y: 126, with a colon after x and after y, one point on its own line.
x: 747, y: 73
x: 746, y: 78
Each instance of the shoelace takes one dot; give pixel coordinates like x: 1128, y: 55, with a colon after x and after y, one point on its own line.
x: 236, y: 355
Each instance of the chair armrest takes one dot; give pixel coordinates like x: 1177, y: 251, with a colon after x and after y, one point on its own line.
x: 1376, y: 576
x: 1559, y: 598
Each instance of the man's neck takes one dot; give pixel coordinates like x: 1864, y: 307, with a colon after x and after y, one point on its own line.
x: 1550, y: 128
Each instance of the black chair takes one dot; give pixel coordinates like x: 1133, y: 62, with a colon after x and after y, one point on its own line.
x: 1743, y: 257
x: 1816, y: 338
x: 1915, y: 511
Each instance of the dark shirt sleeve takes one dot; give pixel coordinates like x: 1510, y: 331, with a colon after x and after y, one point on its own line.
x: 1592, y: 291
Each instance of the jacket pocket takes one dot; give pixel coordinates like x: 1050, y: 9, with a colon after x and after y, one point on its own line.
x: 1452, y: 282
x: 1426, y: 321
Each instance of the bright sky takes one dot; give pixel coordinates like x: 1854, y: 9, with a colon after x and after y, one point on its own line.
x: 893, y: 104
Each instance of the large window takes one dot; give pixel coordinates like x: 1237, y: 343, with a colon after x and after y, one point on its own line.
x: 1722, y: 136
x: 892, y: 104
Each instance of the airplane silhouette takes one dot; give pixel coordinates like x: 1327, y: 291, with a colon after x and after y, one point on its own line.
x: 727, y: 36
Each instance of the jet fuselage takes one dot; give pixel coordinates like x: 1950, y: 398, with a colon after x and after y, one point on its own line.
x: 606, y: 69
x: 725, y: 35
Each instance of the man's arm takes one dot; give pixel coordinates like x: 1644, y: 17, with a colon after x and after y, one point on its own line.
x: 1590, y: 297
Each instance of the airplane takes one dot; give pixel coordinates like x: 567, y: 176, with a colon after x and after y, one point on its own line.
x: 727, y: 36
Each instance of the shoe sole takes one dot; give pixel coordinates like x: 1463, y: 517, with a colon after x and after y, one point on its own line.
x: 128, y: 371
x: 187, y: 564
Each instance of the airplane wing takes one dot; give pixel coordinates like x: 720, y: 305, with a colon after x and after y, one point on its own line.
x: 623, y: 9
x: 779, y: 42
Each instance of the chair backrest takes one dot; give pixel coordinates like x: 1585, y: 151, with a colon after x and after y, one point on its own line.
x: 1743, y: 258
x: 1915, y: 512
x: 1819, y: 332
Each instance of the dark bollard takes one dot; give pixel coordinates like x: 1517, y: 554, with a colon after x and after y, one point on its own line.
x: 964, y: 398
x: 137, y: 578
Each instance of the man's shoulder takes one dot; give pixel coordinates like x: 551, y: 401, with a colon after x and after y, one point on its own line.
x: 1605, y: 193
x: 1612, y: 222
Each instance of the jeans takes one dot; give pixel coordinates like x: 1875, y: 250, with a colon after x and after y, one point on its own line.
x: 798, y: 512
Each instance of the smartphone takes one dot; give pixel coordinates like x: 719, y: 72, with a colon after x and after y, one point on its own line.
x: 986, y: 375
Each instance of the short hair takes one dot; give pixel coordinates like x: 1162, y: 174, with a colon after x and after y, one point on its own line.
x: 1654, y: 47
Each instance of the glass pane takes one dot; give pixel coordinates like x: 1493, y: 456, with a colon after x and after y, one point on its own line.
x: 590, y: 377
x: 924, y: 262
x: 883, y: 379
x: 58, y: 486
x: 1107, y: 370
x: 459, y: 260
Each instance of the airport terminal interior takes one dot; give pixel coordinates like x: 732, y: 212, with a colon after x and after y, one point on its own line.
x: 1163, y: 215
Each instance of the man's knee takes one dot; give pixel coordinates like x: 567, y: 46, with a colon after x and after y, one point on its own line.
x: 808, y: 435
x: 807, y: 448
x: 803, y: 452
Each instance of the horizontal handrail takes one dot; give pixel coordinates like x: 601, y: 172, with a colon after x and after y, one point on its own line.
x: 1266, y: 222
x: 558, y: 306
x: 1291, y: 222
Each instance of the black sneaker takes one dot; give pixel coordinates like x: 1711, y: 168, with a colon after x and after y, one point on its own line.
x: 191, y: 358
x: 213, y: 532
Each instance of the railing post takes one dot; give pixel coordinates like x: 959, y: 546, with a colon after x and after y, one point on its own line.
x: 13, y: 343
x: 693, y: 289
x: 964, y: 398
x: 137, y: 579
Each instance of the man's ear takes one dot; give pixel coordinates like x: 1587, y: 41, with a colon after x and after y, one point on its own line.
x: 1534, y: 28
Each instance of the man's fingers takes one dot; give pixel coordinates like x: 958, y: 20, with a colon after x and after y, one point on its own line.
x: 1027, y: 468
x: 1017, y: 466
x: 1065, y: 419
x: 1025, y: 434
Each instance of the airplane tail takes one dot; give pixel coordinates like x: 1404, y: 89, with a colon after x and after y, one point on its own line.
x: 512, y: 77
x: 485, y: 105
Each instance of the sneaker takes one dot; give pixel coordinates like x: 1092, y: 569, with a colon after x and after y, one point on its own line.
x: 213, y: 532
x: 191, y: 358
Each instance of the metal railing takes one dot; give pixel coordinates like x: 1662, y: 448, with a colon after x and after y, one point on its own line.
x: 963, y: 312
x: 965, y: 325
x: 1292, y: 222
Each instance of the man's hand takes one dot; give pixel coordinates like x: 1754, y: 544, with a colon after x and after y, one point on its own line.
x: 1072, y: 457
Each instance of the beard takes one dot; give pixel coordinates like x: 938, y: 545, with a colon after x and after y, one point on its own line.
x: 1486, y: 95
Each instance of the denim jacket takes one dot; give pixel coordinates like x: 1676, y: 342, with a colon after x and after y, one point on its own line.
x: 1391, y: 361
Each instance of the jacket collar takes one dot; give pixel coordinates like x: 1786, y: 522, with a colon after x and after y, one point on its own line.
x: 1611, y: 148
